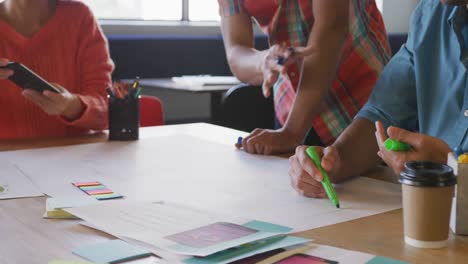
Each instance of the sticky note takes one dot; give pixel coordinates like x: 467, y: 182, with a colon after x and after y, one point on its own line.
x: 90, y: 188
x: 107, y: 196
x: 383, y: 260
x: 463, y: 158
x: 111, y: 251
x: 79, y: 184
x: 103, y: 191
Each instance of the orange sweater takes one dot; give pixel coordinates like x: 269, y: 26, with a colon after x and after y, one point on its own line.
x: 69, y: 50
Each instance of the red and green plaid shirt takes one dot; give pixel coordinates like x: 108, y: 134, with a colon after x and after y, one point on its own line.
x: 365, y: 52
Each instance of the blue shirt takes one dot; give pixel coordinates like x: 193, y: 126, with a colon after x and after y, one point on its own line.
x: 424, y: 86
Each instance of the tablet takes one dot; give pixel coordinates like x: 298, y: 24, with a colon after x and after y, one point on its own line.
x: 27, y: 79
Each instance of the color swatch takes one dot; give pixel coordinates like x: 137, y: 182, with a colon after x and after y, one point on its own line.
x: 97, y: 190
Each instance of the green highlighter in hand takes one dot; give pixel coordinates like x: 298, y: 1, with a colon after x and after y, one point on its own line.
x: 326, y: 180
x: 395, y: 145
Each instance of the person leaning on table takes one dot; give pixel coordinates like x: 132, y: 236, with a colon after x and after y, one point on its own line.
x: 61, y: 41
x: 321, y: 86
x: 421, y: 96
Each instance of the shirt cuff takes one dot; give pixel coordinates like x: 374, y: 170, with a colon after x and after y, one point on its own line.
x: 373, y: 115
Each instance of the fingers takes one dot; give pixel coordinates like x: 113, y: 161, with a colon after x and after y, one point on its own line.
x: 331, y: 161
x: 272, y: 67
x: 268, y: 82
x: 3, y: 62
x: 416, y: 140
x: 5, y: 73
x: 37, y: 98
x: 247, y: 143
x: 380, y: 134
x: 302, y: 51
x: 302, y: 182
x: 307, y: 164
x: 395, y: 160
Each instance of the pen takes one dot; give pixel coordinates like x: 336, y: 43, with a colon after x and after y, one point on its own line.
x: 239, y: 140
x: 109, y: 92
x: 136, y: 83
x: 326, y: 180
x: 395, y: 145
x: 280, y: 60
x: 458, y: 150
x: 138, y: 92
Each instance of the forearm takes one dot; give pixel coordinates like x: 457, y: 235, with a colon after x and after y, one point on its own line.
x: 318, y: 72
x: 357, y: 148
x: 246, y: 64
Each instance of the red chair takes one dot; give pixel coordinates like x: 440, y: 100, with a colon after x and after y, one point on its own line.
x: 151, y: 111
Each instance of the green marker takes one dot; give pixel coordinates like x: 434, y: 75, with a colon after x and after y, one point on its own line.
x: 395, y: 145
x: 326, y: 180
x: 1, y: 189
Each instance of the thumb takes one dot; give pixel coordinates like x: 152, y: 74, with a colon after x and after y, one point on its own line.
x: 405, y: 136
x: 330, y: 159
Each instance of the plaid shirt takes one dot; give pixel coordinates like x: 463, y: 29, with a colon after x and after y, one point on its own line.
x: 365, y: 52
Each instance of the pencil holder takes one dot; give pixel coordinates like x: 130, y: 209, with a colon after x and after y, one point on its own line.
x: 124, y: 118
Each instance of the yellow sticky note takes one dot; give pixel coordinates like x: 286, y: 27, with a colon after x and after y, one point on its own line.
x: 463, y: 158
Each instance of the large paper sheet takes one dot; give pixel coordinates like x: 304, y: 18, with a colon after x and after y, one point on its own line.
x: 167, y: 226
x: 202, y: 174
x: 14, y: 184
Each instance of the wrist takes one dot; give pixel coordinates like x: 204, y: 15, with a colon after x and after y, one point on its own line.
x: 294, y: 135
x: 74, y: 108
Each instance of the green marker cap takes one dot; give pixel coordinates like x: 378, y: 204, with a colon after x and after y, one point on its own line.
x: 395, y: 145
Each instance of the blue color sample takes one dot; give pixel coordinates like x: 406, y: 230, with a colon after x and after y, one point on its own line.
x: 384, y: 260
x: 111, y: 251
x: 267, y: 227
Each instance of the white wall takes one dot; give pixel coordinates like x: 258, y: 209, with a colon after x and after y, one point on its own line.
x: 396, y: 14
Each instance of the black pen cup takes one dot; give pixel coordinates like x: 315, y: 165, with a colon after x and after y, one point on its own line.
x: 124, y: 118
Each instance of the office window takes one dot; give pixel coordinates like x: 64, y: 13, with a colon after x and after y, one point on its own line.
x: 136, y: 9
x: 203, y: 10
x: 175, y: 10
x: 380, y: 5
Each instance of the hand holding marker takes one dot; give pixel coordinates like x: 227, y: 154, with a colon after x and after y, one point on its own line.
x: 326, y: 180
x: 394, y: 145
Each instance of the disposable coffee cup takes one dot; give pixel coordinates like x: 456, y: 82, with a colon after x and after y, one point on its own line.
x: 428, y: 190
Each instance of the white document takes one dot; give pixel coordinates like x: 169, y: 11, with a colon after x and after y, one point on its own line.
x: 205, y: 80
x: 201, y: 174
x: 159, y: 223
x: 14, y: 184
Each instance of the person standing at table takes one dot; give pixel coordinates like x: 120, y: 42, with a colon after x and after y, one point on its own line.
x: 339, y: 49
x: 61, y: 41
x: 420, y: 99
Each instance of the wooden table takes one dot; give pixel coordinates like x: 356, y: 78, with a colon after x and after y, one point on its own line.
x: 25, y: 237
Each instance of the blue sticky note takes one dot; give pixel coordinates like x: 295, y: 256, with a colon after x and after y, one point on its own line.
x: 111, y: 251
x: 267, y: 227
x: 384, y: 260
